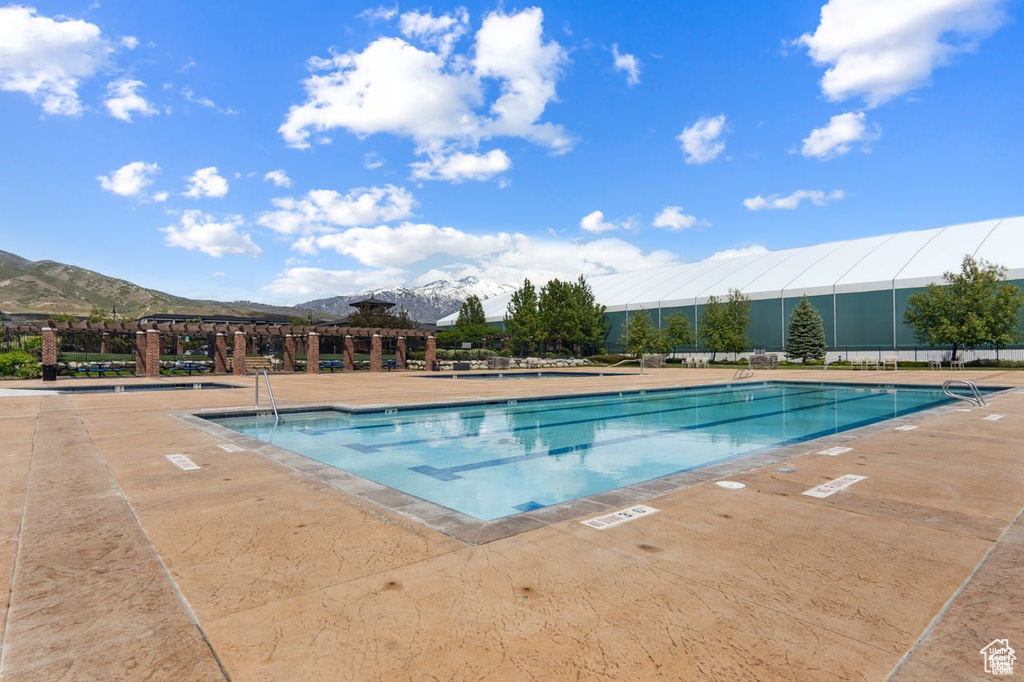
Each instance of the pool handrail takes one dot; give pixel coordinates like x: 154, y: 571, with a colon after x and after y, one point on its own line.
x: 270, y: 392
x: 975, y: 398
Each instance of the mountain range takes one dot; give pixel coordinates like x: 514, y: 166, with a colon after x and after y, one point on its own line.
x: 427, y: 303
x: 48, y: 287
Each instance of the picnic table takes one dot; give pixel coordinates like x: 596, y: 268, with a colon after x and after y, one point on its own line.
x: 191, y: 366
x: 332, y: 365
x: 100, y: 368
x: 390, y: 364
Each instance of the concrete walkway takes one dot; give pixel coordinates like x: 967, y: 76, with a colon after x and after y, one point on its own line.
x: 122, y: 566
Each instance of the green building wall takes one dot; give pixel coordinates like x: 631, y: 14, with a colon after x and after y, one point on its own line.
x: 862, y: 320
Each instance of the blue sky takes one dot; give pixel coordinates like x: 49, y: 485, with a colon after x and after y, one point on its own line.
x: 281, y: 152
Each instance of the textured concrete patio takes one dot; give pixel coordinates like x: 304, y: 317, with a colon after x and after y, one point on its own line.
x: 115, y: 564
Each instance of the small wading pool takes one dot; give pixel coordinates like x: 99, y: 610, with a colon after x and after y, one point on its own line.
x: 492, y: 460
x: 133, y: 388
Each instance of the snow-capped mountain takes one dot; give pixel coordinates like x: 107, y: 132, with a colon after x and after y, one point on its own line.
x: 427, y: 303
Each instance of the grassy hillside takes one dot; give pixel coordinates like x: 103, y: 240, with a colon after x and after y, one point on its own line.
x: 50, y: 287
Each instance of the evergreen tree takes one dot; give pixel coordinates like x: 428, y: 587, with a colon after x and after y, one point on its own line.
x: 471, y: 312
x: 974, y: 307
x: 723, y: 326
x: 558, y: 316
x: 592, y: 325
x: 806, y: 333
x: 522, y: 319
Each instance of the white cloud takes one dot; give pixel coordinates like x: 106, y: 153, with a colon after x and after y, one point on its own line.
x: 123, y: 100
x: 206, y: 182
x: 511, y: 48
x: 836, y: 138
x: 753, y: 250
x: 318, y: 282
x: 198, y: 231
x: 542, y: 260
x: 702, y: 142
x: 129, y: 42
x: 793, y: 201
x: 279, y: 178
x: 462, y: 166
x: 390, y: 87
x: 504, y: 258
x: 628, y: 64
x: 161, y: 197
x: 48, y: 58
x: 324, y: 210
x: 372, y: 161
x: 438, y: 99
x: 595, y: 223
x: 879, y: 49
x: 130, y: 179
x: 381, y: 13
x: 438, y: 32
x: 408, y: 243
x: 672, y: 217
x: 190, y: 95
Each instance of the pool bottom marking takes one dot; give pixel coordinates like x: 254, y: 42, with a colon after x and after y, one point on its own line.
x: 183, y: 462
x: 620, y: 517
x: 834, y: 486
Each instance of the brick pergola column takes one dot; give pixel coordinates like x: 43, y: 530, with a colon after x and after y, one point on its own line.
x: 289, y: 353
x: 49, y: 341
x: 376, y: 354
x: 350, y: 354
x: 431, y: 355
x: 313, y: 353
x: 152, y: 353
x: 238, y: 354
x: 140, y: 354
x: 104, y: 343
x: 220, y: 354
x: 400, y: 352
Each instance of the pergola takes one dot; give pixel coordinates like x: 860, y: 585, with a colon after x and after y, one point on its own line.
x: 148, y: 341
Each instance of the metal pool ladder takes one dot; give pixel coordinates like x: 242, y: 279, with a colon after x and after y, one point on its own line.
x: 975, y: 398
x: 744, y: 373
x: 270, y: 392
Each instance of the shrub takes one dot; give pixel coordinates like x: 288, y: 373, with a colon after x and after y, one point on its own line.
x: 12, y: 362
x: 608, y: 359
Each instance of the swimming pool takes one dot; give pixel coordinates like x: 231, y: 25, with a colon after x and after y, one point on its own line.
x: 520, y: 374
x: 492, y: 460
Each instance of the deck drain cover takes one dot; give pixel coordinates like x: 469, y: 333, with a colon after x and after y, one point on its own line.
x: 730, y: 485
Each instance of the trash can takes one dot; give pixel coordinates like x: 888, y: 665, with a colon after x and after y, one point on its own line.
x: 49, y: 372
x: 435, y: 366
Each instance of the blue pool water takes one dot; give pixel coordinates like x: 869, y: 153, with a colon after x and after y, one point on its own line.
x: 495, y: 460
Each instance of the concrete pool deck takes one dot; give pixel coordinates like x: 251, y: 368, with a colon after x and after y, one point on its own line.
x: 115, y: 564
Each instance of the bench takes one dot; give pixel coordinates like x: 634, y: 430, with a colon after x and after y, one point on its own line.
x: 101, y: 368
x: 191, y: 367
x: 332, y: 365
